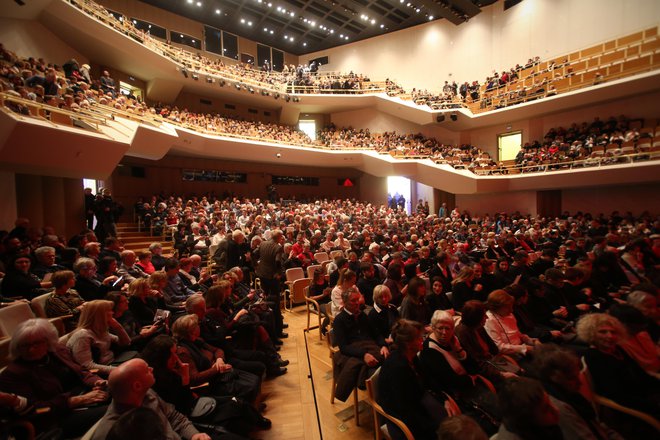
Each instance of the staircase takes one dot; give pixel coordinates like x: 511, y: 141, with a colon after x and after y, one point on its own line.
x: 139, y: 240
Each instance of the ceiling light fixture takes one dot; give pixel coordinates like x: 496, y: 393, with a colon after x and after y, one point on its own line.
x: 190, y: 2
x: 199, y: 4
x: 217, y: 11
x: 373, y: 21
x: 431, y: 17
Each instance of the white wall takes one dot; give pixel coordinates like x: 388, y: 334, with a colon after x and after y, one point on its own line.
x: 424, y: 56
x: 32, y: 39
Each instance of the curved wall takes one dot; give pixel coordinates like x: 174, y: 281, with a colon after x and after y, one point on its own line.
x: 426, y: 55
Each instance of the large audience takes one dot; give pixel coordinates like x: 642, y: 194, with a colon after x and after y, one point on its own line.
x: 487, y: 315
x: 71, y: 87
x: 498, y: 90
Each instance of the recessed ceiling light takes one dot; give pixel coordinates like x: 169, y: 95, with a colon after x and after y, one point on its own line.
x: 181, y: 35
x: 304, y: 44
x: 382, y: 26
x: 417, y: 10
x: 217, y: 11
x: 431, y: 17
x: 346, y: 38
x: 199, y: 4
x: 332, y: 31
x: 293, y: 14
x: 243, y: 20
x: 373, y: 21
x: 341, y: 35
x: 190, y: 2
x: 249, y: 23
x: 271, y: 31
x: 270, y: 5
x: 265, y: 29
x: 291, y: 39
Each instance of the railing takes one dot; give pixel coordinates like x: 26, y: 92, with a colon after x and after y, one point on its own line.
x: 618, y: 58
x: 98, y: 114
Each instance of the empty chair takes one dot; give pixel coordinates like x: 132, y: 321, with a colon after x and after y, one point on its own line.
x: 297, y: 292
x: 311, y: 269
x: 12, y: 316
x: 320, y: 257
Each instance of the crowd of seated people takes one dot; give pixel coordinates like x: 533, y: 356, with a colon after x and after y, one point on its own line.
x: 29, y: 78
x: 307, y: 78
x: 520, y: 282
x: 579, y: 142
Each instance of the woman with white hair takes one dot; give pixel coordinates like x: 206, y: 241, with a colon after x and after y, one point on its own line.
x: 43, y: 374
x: 447, y: 368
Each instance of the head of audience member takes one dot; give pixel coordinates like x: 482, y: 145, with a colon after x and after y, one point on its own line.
x: 196, y: 305
x: 158, y: 280
x: 85, y: 268
x: 601, y: 331
x: 128, y: 258
x: 107, y: 266
x: 351, y: 298
x: 382, y: 296
x: 21, y: 264
x: 186, y: 328
x: 120, y: 303
x: 63, y: 280
x: 460, y: 427
x: 474, y: 314
x: 96, y: 315
x: 139, y: 288
x: 45, y: 255
x: 130, y: 381
x: 347, y: 278
x: 644, y: 302
x: 500, y: 303
x: 395, y: 271
x: 92, y: 249
x: 171, y: 267
x: 408, y: 337
x: 156, y: 248
x: 442, y: 326
x: 526, y: 408
x: 137, y: 423
x: 558, y: 366
x: 417, y: 289
x: 632, y: 318
x: 33, y: 340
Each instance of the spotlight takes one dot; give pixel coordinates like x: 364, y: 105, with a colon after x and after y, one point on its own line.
x: 184, y: 72
x: 453, y: 117
x: 251, y: 90
x: 278, y: 155
x: 210, y: 80
x: 238, y: 87
x: 195, y: 77
x: 287, y: 98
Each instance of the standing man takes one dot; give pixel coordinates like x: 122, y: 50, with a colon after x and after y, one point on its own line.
x: 269, y: 270
x: 89, y: 208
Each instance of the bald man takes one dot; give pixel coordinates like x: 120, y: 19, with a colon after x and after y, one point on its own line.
x: 130, y: 387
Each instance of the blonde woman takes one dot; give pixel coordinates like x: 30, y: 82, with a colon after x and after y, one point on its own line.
x: 91, y: 343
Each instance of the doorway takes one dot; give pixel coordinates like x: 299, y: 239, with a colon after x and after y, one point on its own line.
x: 509, y: 145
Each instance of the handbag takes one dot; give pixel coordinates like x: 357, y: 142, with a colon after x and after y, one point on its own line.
x: 203, y: 407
